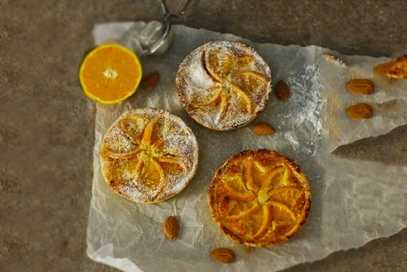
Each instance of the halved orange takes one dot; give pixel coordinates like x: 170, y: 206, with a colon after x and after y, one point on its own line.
x: 259, y: 198
x: 148, y: 155
x: 110, y: 73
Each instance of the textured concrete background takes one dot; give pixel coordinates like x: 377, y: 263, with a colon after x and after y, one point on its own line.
x: 47, y: 124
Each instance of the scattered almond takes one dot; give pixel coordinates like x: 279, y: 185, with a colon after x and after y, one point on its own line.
x: 359, y: 111
x: 151, y: 80
x: 360, y: 86
x: 282, y: 90
x: 223, y: 255
x: 263, y: 128
x: 171, y: 227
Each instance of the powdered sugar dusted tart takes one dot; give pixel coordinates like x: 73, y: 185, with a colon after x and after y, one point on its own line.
x: 223, y: 85
x: 259, y: 198
x: 148, y: 155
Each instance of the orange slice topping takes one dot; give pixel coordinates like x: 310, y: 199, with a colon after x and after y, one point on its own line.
x: 259, y: 198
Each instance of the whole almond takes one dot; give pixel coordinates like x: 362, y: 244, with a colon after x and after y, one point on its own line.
x: 263, y: 128
x: 282, y: 90
x: 360, y: 86
x: 359, y: 111
x: 171, y: 227
x: 151, y: 80
x: 223, y: 255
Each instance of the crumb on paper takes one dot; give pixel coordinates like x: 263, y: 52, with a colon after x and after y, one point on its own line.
x: 334, y: 59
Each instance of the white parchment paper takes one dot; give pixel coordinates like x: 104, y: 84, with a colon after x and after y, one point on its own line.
x: 353, y: 202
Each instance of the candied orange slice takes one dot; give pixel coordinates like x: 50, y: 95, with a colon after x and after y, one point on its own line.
x: 249, y: 80
x: 218, y: 63
x: 243, y: 211
x: 223, y: 85
x: 237, y: 189
x: 209, y: 101
x: 110, y: 73
x: 396, y: 68
x: 259, y: 198
x: 265, y: 219
x: 270, y: 176
x: 148, y: 155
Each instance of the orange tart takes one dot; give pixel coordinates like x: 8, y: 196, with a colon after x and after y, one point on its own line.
x: 223, y: 85
x: 259, y: 198
x: 148, y: 155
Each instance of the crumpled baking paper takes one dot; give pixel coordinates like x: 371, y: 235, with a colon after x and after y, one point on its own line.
x: 353, y: 201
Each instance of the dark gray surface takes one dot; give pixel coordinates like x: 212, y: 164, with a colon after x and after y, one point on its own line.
x: 47, y: 124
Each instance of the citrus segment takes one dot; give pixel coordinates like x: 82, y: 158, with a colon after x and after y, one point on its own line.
x: 265, y: 203
x: 248, y: 176
x: 283, y: 207
x: 269, y: 177
x: 244, y: 102
x: 218, y: 63
x: 237, y: 189
x: 110, y: 73
x: 159, y: 159
x: 265, y: 219
x: 249, y: 81
x: 243, y: 212
x: 208, y: 100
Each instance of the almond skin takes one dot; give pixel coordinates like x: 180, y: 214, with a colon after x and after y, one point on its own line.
x: 171, y: 228
x: 151, y: 80
x: 263, y: 128
x: 360, y: 86
x: 282, y: 90
x: 222, y: 255
x: 359, y: 111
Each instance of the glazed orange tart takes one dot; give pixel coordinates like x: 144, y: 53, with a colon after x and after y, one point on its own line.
x: 259, y: 198
x: 148, y: 155
x: 223, y: 85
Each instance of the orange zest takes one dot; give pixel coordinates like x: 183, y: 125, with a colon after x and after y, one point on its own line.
x: 110, y: 73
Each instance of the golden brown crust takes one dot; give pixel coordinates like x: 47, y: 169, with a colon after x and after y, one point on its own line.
x: 223, y: 85
x: 148, y: 155
x: 396, y: 68
x: 259, y: 198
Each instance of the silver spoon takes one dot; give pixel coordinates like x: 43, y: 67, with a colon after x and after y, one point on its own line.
x: 154, y: 37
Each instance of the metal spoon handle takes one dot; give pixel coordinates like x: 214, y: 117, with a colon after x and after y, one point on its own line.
x: 168, y: 14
